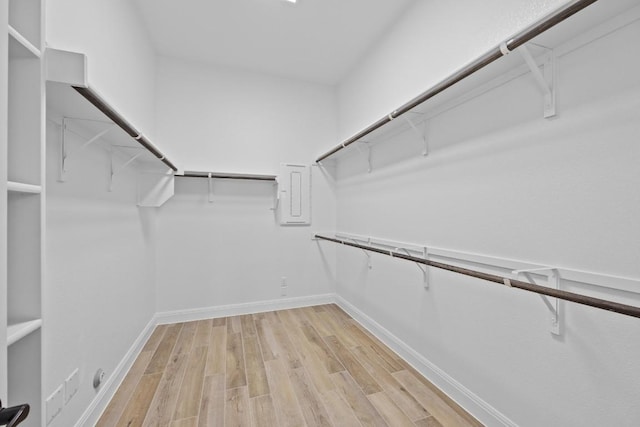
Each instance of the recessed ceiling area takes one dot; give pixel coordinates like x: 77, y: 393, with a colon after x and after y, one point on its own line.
x: 311, y: 40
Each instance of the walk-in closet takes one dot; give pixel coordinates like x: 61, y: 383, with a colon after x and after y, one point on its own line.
x: 319, y: 213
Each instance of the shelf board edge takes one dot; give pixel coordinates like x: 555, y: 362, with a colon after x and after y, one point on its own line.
x: 18, y: 331
x: 24, y: 42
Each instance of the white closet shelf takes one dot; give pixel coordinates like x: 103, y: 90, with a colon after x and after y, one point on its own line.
x: 20, y: 330
x: 20, y: 187
x: 20, y: 47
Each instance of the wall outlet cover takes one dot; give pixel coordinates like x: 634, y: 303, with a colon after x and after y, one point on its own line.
x: 71, y: 385
x: 54, y: 404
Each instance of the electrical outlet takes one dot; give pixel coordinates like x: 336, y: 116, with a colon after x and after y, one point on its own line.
x: 283, y: 281
x: 54, y: 404
x: 71, y: 385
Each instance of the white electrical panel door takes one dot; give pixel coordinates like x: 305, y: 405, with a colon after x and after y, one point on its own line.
x: 294, y: 194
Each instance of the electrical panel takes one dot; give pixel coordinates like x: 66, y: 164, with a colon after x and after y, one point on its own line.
x: 294, y: 194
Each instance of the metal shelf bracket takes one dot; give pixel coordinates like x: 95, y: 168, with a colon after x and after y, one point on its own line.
x: 276, y: 199
x: 422, y: 135
x: 210, y: 186
x: 423, y: 268
x: 545, y: 78
x: 65, y: 153
x: 553, y: 304
x: 368, y: 255
x: 116, y: 171
x: 367, y: 147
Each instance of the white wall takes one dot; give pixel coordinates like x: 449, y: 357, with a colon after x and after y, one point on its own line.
x: 500, y: 180
x: 223, y: 118
x: 121, y: 58
x: 100, y: 284
x: 233, y: 251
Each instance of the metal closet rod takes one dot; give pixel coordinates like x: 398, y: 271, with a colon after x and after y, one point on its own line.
x: 102, y: 105
x: 628, y: 310
x: 223, y: 175
x: 486, y: 59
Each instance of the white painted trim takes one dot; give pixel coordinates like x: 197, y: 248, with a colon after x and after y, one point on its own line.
x: 471, y: 402
x: 243, y: 308
x: 99, y: 403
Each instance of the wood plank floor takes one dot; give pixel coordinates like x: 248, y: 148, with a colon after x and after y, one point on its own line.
x: 312, y: 366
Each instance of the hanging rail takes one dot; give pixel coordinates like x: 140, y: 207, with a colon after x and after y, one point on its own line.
x: 497, y: 52
x: 225, y: 175
x: 628, y: 310
x: 101, y: 105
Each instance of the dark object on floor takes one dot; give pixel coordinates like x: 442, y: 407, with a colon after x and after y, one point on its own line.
x: 13, y: 416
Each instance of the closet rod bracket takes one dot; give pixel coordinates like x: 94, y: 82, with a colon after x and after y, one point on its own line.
x: 423, y: 268
x: 276, y: 201
x: 367, y: 147
x: 367, y: 254
x: 544, y: 78
x: 65, y: 152
x: 553, y: 304
x: 422, y: 135
x: 116, y: 171
x: 210, y: 187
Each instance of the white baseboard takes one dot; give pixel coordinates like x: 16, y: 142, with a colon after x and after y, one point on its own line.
x: 244, y: 308
x: 471, y: 402
x: 110, y: 386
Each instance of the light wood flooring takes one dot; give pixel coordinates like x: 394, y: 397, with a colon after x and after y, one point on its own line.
x: 310, y: 366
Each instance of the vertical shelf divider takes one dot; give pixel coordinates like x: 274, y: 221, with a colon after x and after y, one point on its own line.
x: 22, y: 206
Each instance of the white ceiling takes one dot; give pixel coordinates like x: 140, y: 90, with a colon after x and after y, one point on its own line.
x: 312, y: 40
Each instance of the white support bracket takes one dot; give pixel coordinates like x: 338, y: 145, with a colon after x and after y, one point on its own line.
x: 115, y: 171
x: 368, y: 148
x: 65, y: 153
x: 422, y: 135
x: 545, y: 79
x: 553, y: 304
x: 423, y: 268
x: 276, y: 201
x: 210, y: 184
x: 367, y: 254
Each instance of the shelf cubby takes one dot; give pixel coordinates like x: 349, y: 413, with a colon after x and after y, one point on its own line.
x: 25, y: 373
x: 25, y: 123
x: 24, y: 243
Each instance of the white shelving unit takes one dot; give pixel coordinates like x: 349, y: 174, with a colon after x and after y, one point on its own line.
x: 22, y: 189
